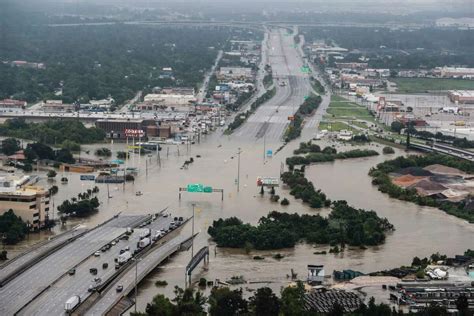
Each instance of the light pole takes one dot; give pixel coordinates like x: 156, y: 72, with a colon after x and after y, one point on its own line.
x: 136, y: 283
x: 238, y: 170
x: 192, y: 234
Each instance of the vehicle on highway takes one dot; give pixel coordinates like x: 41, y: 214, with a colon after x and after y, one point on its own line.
x: 105, y: 265
x: 158, y: 235
x: 124, y: 257
x: 113, y: 243
x: 91, y: 288
x: 93, y: 271
x: 119, y: 288
x: 129, y: 231
x: 144, y: 242
x: 145, y: 233
x: 72, y: 303
x: 97, y: 254
x: 97, y: 280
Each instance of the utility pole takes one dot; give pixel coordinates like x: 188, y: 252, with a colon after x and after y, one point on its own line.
x: 238, y: 170
x: 192, y: 235
x: 136, y: 288
x: 264, y: 135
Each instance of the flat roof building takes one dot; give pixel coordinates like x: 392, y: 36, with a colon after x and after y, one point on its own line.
x: 31, y: 203
x: 461, y: 96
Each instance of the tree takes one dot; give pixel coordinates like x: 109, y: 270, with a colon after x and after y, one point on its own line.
x: 10, y: 146
x: 103, y: 152
x: 462, y: 305
x: 160, y: 306
x: 224, y: 302
x: 13, y: 227
x: 292, y: 300
x: 52, y: 174
x: 396, y: 127
x: 265, y: 303
x: 122, y: 155
x: 336, y: 310
x: 64, y: 155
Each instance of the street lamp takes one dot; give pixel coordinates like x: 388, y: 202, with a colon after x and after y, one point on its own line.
x: 192, y: 234
x: 238, y: 169
x: 136, y: 283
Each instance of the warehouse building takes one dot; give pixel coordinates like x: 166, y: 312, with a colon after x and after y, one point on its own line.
x: 461, y: 96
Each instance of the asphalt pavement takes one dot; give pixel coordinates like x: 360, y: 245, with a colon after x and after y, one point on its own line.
x: 32, y: 282
x: 292, y: 85
x: 51, y: 302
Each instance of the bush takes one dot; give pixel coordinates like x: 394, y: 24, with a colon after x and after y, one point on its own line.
x: 103, y: 152
x: 51, y: 174
x: 202, y: 282
x: 388, y: 150
x: 161, y: 283
x: 285, y: 202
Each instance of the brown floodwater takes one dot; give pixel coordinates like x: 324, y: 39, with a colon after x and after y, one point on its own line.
x: 420, y: 231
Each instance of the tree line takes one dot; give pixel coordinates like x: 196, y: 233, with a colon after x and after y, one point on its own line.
x: 264, y: 302
x: 52, y: 132
x: 95, y: 62
x: 382, y: 180
x: 306, y: 108
x: 344, y: 225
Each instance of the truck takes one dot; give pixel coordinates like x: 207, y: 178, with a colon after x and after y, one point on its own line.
x: 158, y: 234
x: 144, y: 242
x: 129, y: 231
x: 124, y: 257
x: 72, y: 303
x: 145, y: 233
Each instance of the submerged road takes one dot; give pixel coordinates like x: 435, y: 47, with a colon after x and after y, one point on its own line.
x: 292, y: 85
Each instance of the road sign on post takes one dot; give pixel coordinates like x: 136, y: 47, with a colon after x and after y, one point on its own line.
x: 196, y: 188
x: 268, y: 182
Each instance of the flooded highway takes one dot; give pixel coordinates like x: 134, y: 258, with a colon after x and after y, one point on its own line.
x: 420, y: 231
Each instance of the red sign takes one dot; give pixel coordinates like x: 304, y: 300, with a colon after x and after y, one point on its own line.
x: 134, y: 132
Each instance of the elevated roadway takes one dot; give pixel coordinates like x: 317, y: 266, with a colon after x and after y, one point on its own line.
x: 110, y: 297
x: 51, y: 301
x: 39, y: 277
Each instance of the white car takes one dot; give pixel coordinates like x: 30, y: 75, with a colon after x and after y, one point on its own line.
x: 97, y: 254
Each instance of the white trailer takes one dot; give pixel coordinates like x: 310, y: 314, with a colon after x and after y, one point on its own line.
x: 124, y: 257
x: 72, y: 303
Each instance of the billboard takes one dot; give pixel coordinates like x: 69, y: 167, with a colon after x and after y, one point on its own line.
x: 129, y: 132
x: 87, y: 177
x: 268, y: 182
x: 198, y: 188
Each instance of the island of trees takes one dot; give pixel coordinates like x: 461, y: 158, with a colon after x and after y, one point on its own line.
x: 344, y: 225
x: 309, y: 106
x: 82, y: 206
x: 381, y: 178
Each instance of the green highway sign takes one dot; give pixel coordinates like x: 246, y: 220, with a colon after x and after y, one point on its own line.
x: 198, y: 188
x: 306, y: 97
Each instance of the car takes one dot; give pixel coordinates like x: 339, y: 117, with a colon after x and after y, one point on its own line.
x: 126, y: 248
x: 103, y: 249
x: 117, y: 266
x: 119, y: 288
x: 97, y: 280
x: 72, y: 271
x: 122, y: 251
x: 113, y: 243
x: 165, y: 215
x: 97, y: 254
x: 180, y: 219
x: 93, y: 271
x: 91, y: 288
x: 105, y: 265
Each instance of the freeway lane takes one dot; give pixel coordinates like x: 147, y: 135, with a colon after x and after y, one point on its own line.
x: 51, y: 302
x: 110, y: 297
x: 29, y: 284
x: 271, y: 118
x: 10, y: 267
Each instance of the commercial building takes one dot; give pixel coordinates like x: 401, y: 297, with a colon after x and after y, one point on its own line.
x: 31, y: 203
x: 116, y: 128
x: 57, y: 106
x: 235, y: 73
x: 353, y: 66
x: 455, y: 72
x: 12, y: 104
x: 175, y: 98
x: 461, y: 96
